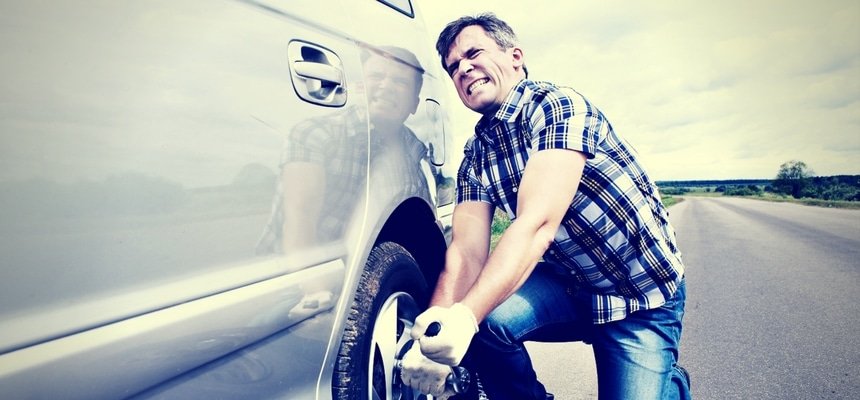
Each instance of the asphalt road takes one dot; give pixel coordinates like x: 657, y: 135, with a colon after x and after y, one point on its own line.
x: 773, y: 308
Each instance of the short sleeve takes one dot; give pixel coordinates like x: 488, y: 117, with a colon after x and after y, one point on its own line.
x: 564, y: 119
x: 469, y: 187
x: 305, y: 144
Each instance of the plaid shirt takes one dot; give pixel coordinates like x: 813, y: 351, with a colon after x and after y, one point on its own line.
x: 340, y: 144
x: 615, y: 238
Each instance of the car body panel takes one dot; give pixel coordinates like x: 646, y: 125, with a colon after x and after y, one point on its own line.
x: 149, y: 244
x: 122, y: 358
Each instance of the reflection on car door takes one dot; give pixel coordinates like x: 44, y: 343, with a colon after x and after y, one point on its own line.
x: 162, y: 164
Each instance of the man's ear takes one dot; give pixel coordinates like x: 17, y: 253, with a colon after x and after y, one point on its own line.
x: 517, y: 57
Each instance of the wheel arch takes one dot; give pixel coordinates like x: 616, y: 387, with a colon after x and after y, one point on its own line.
x: 413, y: 225
x: 410, y: 223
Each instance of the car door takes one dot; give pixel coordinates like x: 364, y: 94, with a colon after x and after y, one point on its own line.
x: 154, y: 157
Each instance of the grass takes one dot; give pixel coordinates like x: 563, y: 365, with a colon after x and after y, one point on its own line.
x: 669, y: 201
x: 500, y: 223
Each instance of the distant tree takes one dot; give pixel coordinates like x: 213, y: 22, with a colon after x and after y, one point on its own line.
x: 792, y: 178
x: 674, y: 191
x: 742, y: 190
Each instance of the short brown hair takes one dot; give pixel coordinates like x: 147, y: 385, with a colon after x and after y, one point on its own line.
x: 496, y: 29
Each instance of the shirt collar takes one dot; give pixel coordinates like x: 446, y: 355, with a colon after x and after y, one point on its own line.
x: 507, y: 112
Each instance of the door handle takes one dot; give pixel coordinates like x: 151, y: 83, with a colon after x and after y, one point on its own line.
x: 317, y: 74
x: 318, y: 71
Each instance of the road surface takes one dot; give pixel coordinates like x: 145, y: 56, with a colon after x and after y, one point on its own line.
x: 773, y: 308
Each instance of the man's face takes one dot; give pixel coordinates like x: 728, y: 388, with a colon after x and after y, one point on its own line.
x: 482, y: 73
x: 391, y: 89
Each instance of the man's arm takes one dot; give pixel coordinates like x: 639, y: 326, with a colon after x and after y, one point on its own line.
x: 303, y: 184
x: 467, y: 253
x: 546, y: 190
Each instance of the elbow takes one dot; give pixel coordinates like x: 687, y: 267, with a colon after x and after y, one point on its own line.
x: 457, y: 259
x: 541, y: 231
x: 544, y: 236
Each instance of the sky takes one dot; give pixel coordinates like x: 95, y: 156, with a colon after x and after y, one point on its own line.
x: 702, y: 90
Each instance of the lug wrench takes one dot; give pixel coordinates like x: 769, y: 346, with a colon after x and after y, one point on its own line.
x: 457, y: 381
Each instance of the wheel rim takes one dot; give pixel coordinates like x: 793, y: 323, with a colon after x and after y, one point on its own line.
x: 390, y: 337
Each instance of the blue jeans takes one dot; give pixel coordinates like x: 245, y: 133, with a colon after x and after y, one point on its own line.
x: 636, y: 357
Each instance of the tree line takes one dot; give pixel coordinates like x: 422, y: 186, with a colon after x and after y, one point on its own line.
x: 794, y: 178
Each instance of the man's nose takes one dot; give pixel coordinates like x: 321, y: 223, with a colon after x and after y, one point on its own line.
x: 384, y: 83
x: 465, y: 67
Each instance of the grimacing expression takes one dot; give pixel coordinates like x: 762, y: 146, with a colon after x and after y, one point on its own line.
x: 483, y: 74
x: 392, y: 92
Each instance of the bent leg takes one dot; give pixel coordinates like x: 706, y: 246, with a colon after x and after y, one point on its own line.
x: 543, y: 310
x: 637, y: 357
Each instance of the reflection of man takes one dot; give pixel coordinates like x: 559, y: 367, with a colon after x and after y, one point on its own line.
x: 394, y: 84
x: 324, y: 164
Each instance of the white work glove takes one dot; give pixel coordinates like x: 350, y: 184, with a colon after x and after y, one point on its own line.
x: 448, y: 347
x: 423, y: 374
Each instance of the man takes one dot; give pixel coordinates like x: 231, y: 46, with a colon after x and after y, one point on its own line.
x: 589, y: 255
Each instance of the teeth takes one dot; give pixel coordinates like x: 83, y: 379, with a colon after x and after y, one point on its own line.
x: 477, y: 83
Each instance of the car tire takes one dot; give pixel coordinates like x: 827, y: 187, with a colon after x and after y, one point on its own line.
x: 391, y: 293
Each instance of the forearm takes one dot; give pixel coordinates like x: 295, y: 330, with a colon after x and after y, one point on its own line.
x: 543, y: 199
x: 460, y: 273
x: 302, y: 207
x: 508, y: 267
x: 301, y: 217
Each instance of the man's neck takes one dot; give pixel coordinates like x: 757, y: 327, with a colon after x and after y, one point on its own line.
x: 493, y: 109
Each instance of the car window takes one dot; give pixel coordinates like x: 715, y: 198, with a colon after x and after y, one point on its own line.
x: 404, y: 6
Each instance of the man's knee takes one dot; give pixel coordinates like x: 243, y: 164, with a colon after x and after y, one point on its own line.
x: 501, y: 328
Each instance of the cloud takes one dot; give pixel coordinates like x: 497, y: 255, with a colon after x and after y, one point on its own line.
x: 712, y: 90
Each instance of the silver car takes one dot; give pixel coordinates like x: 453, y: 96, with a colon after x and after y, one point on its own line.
x: 217, y: 199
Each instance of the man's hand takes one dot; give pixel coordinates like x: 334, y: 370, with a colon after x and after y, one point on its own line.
x: 421, y: 373
x: 450, y: 344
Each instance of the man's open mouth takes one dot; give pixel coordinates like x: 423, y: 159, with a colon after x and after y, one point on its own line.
x: 476, y: 84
